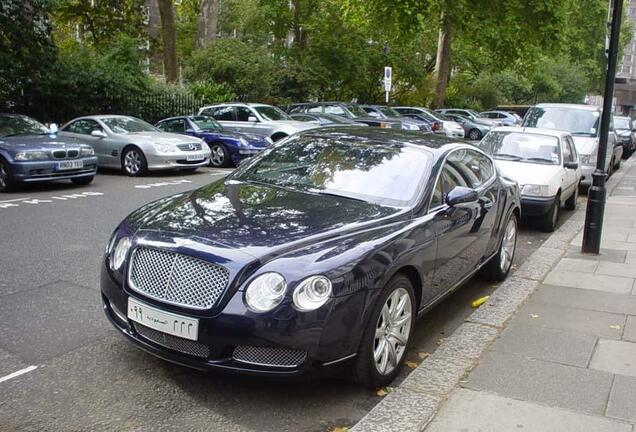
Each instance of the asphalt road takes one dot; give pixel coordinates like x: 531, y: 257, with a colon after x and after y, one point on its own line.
x: 86, y: 377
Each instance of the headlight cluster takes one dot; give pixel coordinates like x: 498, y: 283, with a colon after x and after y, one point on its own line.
x: 118, y: 253
x: 31, y: 156
x: 87, y: 151
x: 268, y: 290
x: 166, y: 148
x: 535, y: 190
x: 243, y: 142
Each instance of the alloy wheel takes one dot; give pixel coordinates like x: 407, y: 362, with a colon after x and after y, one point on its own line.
x: 508, y: 245
x: 132, y: 162
x: 392, y: 331
x: 473, y: 135
x: 217, y: 156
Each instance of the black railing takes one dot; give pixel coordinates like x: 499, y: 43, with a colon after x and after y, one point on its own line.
x: 62, y: 108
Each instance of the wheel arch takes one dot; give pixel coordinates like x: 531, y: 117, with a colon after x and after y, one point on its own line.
x: 279, y: 135
x: 414, y: 277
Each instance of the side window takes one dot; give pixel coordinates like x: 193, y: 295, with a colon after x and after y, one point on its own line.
x: 243, y: 114
x: 467, y: 164
x: 486, y: 167
x: 84, y: 127
x: 575, y: 155
x: 438, y: 195
x: 176, y: 126
x: 335, y: 109
x: 567, y: 151
x: 315, y: 109
x: 222, y: 113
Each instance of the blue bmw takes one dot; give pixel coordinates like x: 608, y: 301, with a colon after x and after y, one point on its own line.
x: 228, y: 148
x: 318, y: 253
x: 31, y: 152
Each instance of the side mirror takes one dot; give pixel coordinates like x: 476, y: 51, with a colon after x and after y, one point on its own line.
x: 252, y: 119
x: 461, y: 195
x: 53, y: 128
x: 98, y: 133
x: 189, y: 131
x: 571, y: 165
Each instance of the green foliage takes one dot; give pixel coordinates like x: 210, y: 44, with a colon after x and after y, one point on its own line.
x: 211, y: 92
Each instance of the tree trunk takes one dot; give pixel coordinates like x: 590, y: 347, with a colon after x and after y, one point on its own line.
x: 169, y: 36
x: 442, y: 63
x: 208, y: 21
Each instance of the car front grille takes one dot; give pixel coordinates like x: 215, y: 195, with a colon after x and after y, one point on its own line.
x: 265, y: 356
x: 65, y: 154
x: 175, y: 343
x: 177, y: 279
x: 190, y: 147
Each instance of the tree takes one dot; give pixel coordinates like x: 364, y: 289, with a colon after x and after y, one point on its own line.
x: 208, y: 21
x: 169, y: 36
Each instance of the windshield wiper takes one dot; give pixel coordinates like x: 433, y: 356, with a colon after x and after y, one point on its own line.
x: 538, y: 159
x: 320, y: 192
x: 509, y: 156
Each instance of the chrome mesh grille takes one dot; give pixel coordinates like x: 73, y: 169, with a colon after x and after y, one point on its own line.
x: 265, y: 356
x: 177, y: 279
x: 190, y: 147
x: 173, y: 342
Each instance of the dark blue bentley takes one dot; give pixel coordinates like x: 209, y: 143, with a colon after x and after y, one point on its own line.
x: 321, y: 251
x: 228, y: 148
x: 31, y: 152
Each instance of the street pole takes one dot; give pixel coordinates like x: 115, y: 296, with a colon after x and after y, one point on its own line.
x: 597, y: 193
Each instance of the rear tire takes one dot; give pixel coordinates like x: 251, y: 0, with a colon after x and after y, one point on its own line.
x: 474, y: 135
x: 499, y: 266
x: 82, y: 181
x: 7, y: 184
x: 550, y: 219
x: 133, y: 162
x: 386, y: 336
x: 571, y: 202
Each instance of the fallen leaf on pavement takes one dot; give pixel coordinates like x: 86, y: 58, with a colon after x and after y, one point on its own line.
x: 615, y: 327
x: 440, y: 341
x: 340, y: 429
x: 411, y: 364
x: 383, y: 391
x: 423, y: 355
x: 534, y: 316
x: 480, y: 301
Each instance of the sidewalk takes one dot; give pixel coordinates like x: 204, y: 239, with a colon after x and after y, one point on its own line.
x: 553, y: 350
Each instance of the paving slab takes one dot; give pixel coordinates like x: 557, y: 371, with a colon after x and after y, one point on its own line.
x: 585, y: 299
x: 576, y: 265
x: 575, y: 279
x: 601, y: 324
x: 471, y: 411
x: 617, y: 269
x: 630, y: 257
x: 557, y: 346
x: 610, y: 255
x: 503, y: 302
x: 630, y: 329
x: 618, y: 357
x: 539, y: 264
x: 622, y: 401
x: 539, y: 381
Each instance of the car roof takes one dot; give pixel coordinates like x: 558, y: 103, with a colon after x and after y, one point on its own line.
x: 572, y: 106
x: 249, y: 104
x: 530, y: 130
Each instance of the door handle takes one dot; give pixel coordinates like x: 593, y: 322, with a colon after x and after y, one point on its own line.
x: 487, y: 204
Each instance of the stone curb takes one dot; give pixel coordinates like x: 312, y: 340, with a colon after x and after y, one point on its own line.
x: 412, y: 406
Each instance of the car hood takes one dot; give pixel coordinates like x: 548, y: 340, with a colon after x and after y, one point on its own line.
x: 296, y: 124
x: 253, y: 140
x: 585, y: 145
x: 527, y: 173
x: 160, y: 138
x: 258, y: 220
x: 38, y: 142
x: 623, y: 132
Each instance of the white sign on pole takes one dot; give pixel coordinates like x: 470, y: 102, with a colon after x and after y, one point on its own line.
x: 388, y: 75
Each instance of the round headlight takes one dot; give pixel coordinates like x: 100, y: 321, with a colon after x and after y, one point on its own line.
x: 119, y: 254
x: 312, y: 293
x: 265, y: 292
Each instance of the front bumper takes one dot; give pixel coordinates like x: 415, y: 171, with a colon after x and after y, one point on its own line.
x: 586, y: 174
x: 328, y: 336
x: 43, y: 171
x: 165, y: 161
x: 536, y: 206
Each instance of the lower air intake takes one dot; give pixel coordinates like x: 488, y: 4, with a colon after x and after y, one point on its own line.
x: 272, y: 357
x: 173, y: 342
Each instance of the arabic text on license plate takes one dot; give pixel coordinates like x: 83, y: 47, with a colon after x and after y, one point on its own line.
x: 194, y: 157
x: 67, y: 165
x: 166, y: 322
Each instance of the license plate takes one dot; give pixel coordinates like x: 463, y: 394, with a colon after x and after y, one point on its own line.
x: 195, y: 157
x: 166, y: 322
x: 69, y: 165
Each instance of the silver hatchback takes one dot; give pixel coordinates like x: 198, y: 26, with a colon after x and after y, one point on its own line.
x: 136, y: 147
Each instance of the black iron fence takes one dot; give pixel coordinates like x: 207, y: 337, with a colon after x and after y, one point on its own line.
x: 61, y: 108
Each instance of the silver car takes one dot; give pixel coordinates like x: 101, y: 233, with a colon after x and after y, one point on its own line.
x: 136, y: 147
x: 258, y: 119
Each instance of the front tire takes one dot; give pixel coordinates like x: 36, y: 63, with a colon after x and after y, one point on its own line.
x: 549, y: 220
x: 82, y: 181
x: 133, y: 162
x: 7, y: 184
x: 499, y: 266
x: 219, y: 156
x: 474, y: 135
x: 387, y: 334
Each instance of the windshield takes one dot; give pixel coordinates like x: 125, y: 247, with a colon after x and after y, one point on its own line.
x: 522, y: 147
x: 387, y: 111
x: 124, y: 125
x: 621, y: 123
x: 21, y: 125
x: 474, y: 113
x: 206, y: 123
x: 376, y: 173
x: 577, y: 121
x: 335, y: 119
x: 272, y: 113
x: 357, y: 111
